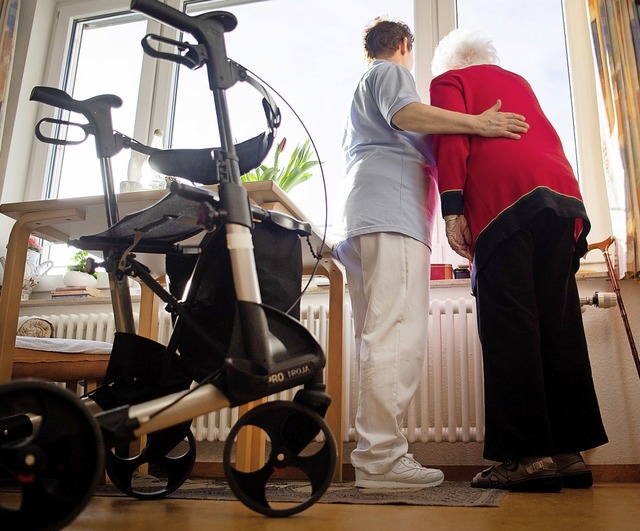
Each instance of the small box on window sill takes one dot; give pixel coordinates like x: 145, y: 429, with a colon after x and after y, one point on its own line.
x: 441, y: 271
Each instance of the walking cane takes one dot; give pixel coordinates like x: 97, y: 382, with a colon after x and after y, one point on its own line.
x: 604, y: 247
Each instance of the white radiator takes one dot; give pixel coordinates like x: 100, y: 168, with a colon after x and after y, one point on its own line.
x: 94, y: 326
x: 448, y: 405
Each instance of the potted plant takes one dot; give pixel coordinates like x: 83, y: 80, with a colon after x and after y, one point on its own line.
x: 295, y: 172
x: 77, y: 274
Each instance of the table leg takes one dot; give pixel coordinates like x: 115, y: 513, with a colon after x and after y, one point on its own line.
x: 14, y: 274
x: 251, y: 444
x: 335, y: 355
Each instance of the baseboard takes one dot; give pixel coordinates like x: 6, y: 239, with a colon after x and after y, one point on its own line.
x: 601, y: 473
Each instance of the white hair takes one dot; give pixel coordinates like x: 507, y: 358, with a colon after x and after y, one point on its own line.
x: 462, y: 48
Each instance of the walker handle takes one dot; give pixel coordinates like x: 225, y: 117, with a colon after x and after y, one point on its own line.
x: 208, y: 29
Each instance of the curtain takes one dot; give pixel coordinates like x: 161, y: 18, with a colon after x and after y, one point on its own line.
x: 615, y: 33
x: 8, y: 26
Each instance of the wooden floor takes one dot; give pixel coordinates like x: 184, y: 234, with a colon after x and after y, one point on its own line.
x: 606, y: 506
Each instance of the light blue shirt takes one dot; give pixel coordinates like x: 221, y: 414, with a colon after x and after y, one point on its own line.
x: 390, y: 185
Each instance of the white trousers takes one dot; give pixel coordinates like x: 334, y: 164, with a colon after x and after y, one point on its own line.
x: 388, y: 279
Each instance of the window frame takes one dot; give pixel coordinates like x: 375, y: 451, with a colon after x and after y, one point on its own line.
x: 433, y: 20
x: 151, y: 113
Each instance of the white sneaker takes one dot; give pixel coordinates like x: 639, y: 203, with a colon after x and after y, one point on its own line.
x: 406, y: 472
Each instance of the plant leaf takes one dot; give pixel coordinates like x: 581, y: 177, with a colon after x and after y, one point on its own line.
x: 295, y: 172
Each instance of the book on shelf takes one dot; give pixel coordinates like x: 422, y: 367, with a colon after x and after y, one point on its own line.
x: 77, y: 296
x: 75, y: 292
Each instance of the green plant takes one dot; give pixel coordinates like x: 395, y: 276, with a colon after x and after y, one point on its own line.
x: 80, y: 263
x: 295, y: 172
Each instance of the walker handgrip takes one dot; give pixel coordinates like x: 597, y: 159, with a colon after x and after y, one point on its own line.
x: 179, y: 20
x: 193, y: 193
x: 208, y: 29
x: 166, y: 14
x: 60, y: 99
x: 96, y: 110
x: 54, y: 97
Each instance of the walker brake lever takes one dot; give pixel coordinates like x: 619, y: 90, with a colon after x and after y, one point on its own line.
x: 119, y: 139
x: 96, y: 110
x: 87, y: 129
x: 192, y: 56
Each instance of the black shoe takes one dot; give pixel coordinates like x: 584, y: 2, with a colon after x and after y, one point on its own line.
x: 575, y: 474
x: 525, y: 475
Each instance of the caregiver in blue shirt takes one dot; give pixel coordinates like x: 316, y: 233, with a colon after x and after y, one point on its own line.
x: 390, y: 197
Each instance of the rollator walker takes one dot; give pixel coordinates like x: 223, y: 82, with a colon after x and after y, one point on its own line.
x: 234, y: 338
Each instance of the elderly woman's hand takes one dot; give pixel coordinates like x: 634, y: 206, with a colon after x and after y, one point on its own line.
x: 458, y: 235
x: 493, y: 123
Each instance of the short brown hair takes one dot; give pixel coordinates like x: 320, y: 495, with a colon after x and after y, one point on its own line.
x: 382, y: 37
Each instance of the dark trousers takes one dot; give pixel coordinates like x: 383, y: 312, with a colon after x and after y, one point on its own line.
x: 539, y: 394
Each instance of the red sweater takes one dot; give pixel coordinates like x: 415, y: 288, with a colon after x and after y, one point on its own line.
x: 500, y: 183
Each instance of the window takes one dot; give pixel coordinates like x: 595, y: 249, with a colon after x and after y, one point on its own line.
x: 309, y: 51
x: 535, y: 38
x: 103, y: 47
x: 312, y: 61
x: 542, y: 62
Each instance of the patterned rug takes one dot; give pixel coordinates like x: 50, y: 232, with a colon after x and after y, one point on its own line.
x: 450, y: 493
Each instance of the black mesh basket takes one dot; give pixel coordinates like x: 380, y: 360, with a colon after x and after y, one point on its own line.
x: 212, y: 302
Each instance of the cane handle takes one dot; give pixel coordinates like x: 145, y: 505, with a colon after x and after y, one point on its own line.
x: 603, y: 245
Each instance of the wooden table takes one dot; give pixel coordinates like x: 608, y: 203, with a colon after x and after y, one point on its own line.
x: 59, y: 220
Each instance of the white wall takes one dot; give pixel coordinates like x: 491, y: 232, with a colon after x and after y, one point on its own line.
x: 616, y: 379
x: 35, y: 23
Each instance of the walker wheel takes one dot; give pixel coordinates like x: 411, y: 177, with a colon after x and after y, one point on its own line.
x: 293, y: 451
x: 169, y: 456
x: 51, y: 455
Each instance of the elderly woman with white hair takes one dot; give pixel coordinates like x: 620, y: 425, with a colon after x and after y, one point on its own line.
x: 515, y: 210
